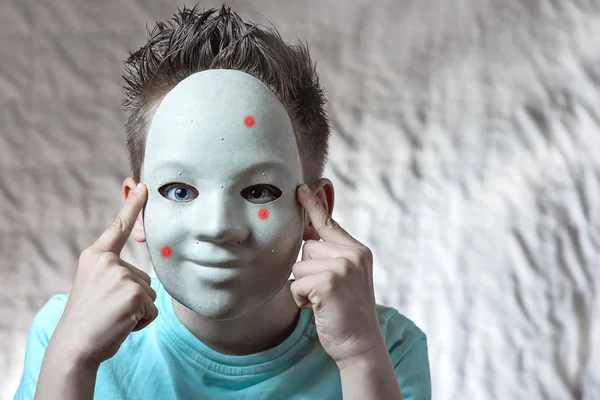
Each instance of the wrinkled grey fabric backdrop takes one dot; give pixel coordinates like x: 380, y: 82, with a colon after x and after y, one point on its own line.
x: 465, y: 154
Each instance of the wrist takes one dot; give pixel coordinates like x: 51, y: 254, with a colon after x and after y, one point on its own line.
x: 370, y: 375
x: 69, y: 356
x: 369, y: 358
x: 63, y: 376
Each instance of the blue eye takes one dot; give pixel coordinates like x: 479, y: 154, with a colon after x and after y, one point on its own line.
x: 178, y: 192
x: 261, y: 194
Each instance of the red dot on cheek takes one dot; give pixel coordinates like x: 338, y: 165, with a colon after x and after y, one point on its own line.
x: 166, y: 251
x: 263, y: 213
x: 249, y: 121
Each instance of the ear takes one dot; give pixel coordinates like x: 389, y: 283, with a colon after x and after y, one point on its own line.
x: 325, y: 193
x: 137, y: 233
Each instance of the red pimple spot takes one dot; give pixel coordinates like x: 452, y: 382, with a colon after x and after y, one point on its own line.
x: 249, y: 121
x: 166, y: 251
x: 263, y: 213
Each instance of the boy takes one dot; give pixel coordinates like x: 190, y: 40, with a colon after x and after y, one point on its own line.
x: 226, y: 122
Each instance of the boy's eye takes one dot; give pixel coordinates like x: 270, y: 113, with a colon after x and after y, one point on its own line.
x: 261, y: 194
x: 178, y: 192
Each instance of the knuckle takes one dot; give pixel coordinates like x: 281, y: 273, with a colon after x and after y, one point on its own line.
x: 121, y: 274
x: 345, y: 267
x: 330, y: 281
x: 86, y: 252
x: 362, y: 256
x: 85, y: 256
x: 137, y: 316
x: 145, y: 277
x: 107, y: 258
x: 366, y: 254
x: 136, y: 295
x: 151, y: 314
x: 119, y: 224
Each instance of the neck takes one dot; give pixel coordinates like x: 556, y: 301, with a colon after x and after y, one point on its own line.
x: 258, y: 330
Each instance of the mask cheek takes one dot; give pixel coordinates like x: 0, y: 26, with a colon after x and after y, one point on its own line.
x: 277, y: 225
x: 166, y: 252
x: 161, y: 244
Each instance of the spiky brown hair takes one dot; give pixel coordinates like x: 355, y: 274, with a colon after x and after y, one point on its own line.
x: 194, y: 41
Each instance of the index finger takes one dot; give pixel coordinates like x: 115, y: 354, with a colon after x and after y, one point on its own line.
x: 115, y: 237
x: 326, y: 227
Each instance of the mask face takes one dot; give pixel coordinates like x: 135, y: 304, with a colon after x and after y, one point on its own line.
x: 222, y: 223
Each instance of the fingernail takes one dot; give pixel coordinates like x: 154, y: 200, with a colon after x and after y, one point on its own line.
x: 138, y: 188
x: 304, y: 188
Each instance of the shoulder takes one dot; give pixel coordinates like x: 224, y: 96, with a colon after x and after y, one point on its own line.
x: 47, y: 317
x: 45, y: 322
x: 401, y: 334
x: 407, y: 345
x: 396, y: 326
x: 43, y: 326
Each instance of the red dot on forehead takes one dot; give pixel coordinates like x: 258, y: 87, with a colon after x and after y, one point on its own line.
x: 249, y: 121
x: 166, y: 252
x: 263, y: 213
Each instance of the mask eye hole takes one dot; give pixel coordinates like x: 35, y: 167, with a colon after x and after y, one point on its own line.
x: 261, y: 194
x: 178, y: 192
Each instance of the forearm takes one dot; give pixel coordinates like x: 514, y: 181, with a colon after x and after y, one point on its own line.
x: 62, y: 377
x: 370, y: 377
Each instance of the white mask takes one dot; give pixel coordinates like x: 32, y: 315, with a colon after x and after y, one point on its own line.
x: 220, y: 244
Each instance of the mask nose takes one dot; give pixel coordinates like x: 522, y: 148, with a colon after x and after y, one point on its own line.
x: 219, y: 219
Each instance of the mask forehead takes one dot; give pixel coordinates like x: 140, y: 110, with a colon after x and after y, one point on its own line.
x: 221, y: 118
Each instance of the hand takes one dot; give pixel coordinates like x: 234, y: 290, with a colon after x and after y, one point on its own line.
x: 335, y: 280
x: 110, y: 298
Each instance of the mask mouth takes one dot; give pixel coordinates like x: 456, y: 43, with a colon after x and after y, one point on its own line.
x: 205, y: 252
x: 218, y: 263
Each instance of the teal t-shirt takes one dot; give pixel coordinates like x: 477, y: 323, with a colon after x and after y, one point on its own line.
x: 166, y: 361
